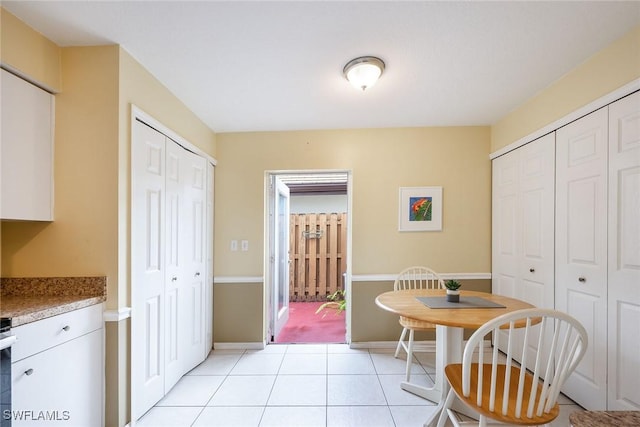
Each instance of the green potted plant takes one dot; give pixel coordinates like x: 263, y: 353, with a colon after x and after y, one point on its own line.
x: 453, y: 293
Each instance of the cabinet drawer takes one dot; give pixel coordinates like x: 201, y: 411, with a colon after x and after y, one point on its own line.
x: 43, y: 334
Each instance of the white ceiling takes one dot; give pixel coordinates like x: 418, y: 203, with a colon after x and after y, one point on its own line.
x: 258, y: 66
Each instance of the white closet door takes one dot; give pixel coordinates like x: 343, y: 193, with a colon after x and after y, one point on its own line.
x: 537, y: 212
x: 523, y: 225
x: 194, y: 225
x: 581, y: 247
x: 624, y: 254
x: 174, y: 276
x: 147, y: 267
x: 537, y: 198
x: 506, y: 238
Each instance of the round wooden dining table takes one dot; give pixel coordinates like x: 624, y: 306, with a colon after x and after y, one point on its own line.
x: 450, y: 324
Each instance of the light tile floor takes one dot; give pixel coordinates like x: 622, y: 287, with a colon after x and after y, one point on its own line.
x: 302, y: 385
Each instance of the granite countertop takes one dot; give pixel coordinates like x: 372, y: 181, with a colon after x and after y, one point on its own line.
x: 26, y: 300
x: 605, y: 418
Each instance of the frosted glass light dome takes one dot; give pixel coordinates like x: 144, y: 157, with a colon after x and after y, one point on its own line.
x: 363, y: 72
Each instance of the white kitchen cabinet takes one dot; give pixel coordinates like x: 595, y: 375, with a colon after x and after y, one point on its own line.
x: 26, y: 148
x: 58, y: 380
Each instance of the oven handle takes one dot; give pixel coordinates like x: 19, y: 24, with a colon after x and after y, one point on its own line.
x: 7, y: 341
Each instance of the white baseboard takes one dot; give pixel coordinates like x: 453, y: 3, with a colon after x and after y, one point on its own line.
x: 418, y: 346
x: 239, y: 345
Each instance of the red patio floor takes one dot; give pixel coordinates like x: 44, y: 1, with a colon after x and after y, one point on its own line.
x: 305, y: 326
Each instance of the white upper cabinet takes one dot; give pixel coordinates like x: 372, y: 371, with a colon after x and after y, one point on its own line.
x: 26, y: 148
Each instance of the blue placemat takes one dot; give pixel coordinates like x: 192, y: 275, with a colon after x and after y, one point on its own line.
x: 465, y: 302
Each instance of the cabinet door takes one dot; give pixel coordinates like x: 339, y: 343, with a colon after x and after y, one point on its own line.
x: 61, y: 386
x: 26, y: 150
x: 581, y: 247
x: 624, y: 254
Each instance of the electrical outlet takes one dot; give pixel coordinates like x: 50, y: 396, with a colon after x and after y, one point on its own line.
x: 245, y: 245
x: 234, y: 245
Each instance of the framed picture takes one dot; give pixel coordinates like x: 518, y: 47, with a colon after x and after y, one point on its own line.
x: 420, y: 209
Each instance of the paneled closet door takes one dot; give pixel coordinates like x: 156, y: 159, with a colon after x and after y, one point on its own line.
x: 174, y: 271
x: 194, y: 226
x: 624, y: 254
x: 523, y: 225
x: 581, y: 247
x: 537, y: 191
x: 506, y: 238
x: 523, y: 218
x: 147, y: 267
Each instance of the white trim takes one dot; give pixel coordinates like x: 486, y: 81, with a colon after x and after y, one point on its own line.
x: 239, y: 345
x: 359, y: 277
x: 575, y: 115
x: 267, y: 238
x: 444, y: 276
x: 419, y: 346
x: 137, y: 113
x: 117, y: 315
x: 238, y: 279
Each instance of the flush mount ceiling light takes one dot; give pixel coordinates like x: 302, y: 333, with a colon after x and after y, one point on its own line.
x: 363, y: 72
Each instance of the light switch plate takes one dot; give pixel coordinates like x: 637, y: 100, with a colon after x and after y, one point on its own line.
x: 244, y: 245
x: 234, y: 245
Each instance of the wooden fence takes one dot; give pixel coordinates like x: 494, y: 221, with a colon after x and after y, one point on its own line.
x: 317, y: 244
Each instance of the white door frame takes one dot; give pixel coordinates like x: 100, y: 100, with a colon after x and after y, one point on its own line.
x: 267, y: 269
x: 278, y: 264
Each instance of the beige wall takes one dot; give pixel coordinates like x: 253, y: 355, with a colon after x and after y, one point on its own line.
x: 28, y: 52
x: 238, y: 314
x: 609, y: 69
x: 381, y: 160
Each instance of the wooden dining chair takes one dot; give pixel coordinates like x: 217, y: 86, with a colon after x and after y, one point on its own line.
x: 543, y: 349
x: 414, y: 278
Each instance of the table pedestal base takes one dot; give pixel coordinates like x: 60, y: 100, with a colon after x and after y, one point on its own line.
x: 449, y: 346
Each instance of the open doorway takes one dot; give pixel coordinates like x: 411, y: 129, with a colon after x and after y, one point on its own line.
x: 311, y: 267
